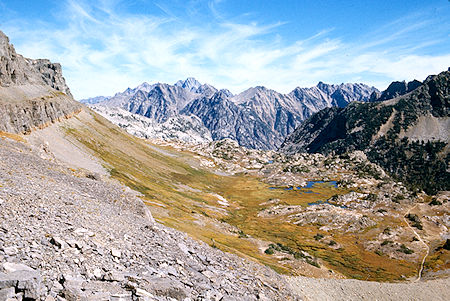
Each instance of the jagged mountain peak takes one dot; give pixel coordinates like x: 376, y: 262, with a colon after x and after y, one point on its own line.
x: 256, y: 94
x: 18, y: 70
x: 257, y: 89
x: 206, y: 89
x: 144, y: 87
x: 5, y: 47
x: 227, y: 92
x: 219, y: 96
x: 259, y: 117
x: 326, y: 87
x: 189, y: 83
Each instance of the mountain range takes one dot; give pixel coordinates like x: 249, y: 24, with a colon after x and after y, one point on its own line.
x: 257, y: 118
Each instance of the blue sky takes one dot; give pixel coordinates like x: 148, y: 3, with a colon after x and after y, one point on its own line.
x: 108, y: 45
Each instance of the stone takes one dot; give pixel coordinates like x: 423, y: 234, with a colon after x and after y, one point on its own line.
x: 56, y: 287
x: 68, y: 279
x: 116, y: 253
x: 171, y: 270
x: 167, y: 287
x: 6, y: 281
x: 6, y: 293
x: 142, y: 293
x: 58, y: 242
x: 75, y: 244
x: 10, y: 267
x: 28, y: 282
x: 114, y: 276
x: 121, y: 297
x: 10, y: 251
x: 208, y: 274
x: 97, y: 273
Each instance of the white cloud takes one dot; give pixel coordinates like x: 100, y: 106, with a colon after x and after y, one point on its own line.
x: 103, y: 52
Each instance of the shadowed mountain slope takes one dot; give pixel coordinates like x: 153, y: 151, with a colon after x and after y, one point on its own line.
x: 408, y: 135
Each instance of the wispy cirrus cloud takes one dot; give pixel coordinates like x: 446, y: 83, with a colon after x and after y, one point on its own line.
x: 104, y: 50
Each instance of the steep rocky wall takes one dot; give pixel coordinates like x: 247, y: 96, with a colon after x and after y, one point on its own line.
x: 35, y: 113
x: 33, y: 93
x: 17, y: 70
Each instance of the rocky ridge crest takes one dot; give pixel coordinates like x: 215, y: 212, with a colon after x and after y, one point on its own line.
x: 33, y: 93
x: 16, y: 70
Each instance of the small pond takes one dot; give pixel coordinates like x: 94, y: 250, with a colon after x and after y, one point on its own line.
x: 309, y: 184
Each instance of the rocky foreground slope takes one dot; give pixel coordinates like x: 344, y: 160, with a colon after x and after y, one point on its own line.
x: 72, y: 236
x: 33, y: 93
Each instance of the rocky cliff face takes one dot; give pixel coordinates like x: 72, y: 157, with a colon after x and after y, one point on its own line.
x: 408, y: 135
x: 226, y: 119
x: 16, y: 70
x: 325, y: 95
x: 33, y: 93
x: 160, y: 103
x: 256, y: 118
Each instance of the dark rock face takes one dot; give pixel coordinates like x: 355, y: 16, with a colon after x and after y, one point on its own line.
x: 162, y: 102
x: 225, y: 119
x: 408, y: 136
x: 397, y: 89
x: 33, y: 93
x: 321, y: 128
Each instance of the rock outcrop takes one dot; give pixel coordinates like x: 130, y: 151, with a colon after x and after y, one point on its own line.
x: 189, y: 129
x: 33, y: 93
x: 15, y: 70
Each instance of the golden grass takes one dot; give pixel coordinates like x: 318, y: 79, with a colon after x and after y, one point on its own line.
x: 12, y: 136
